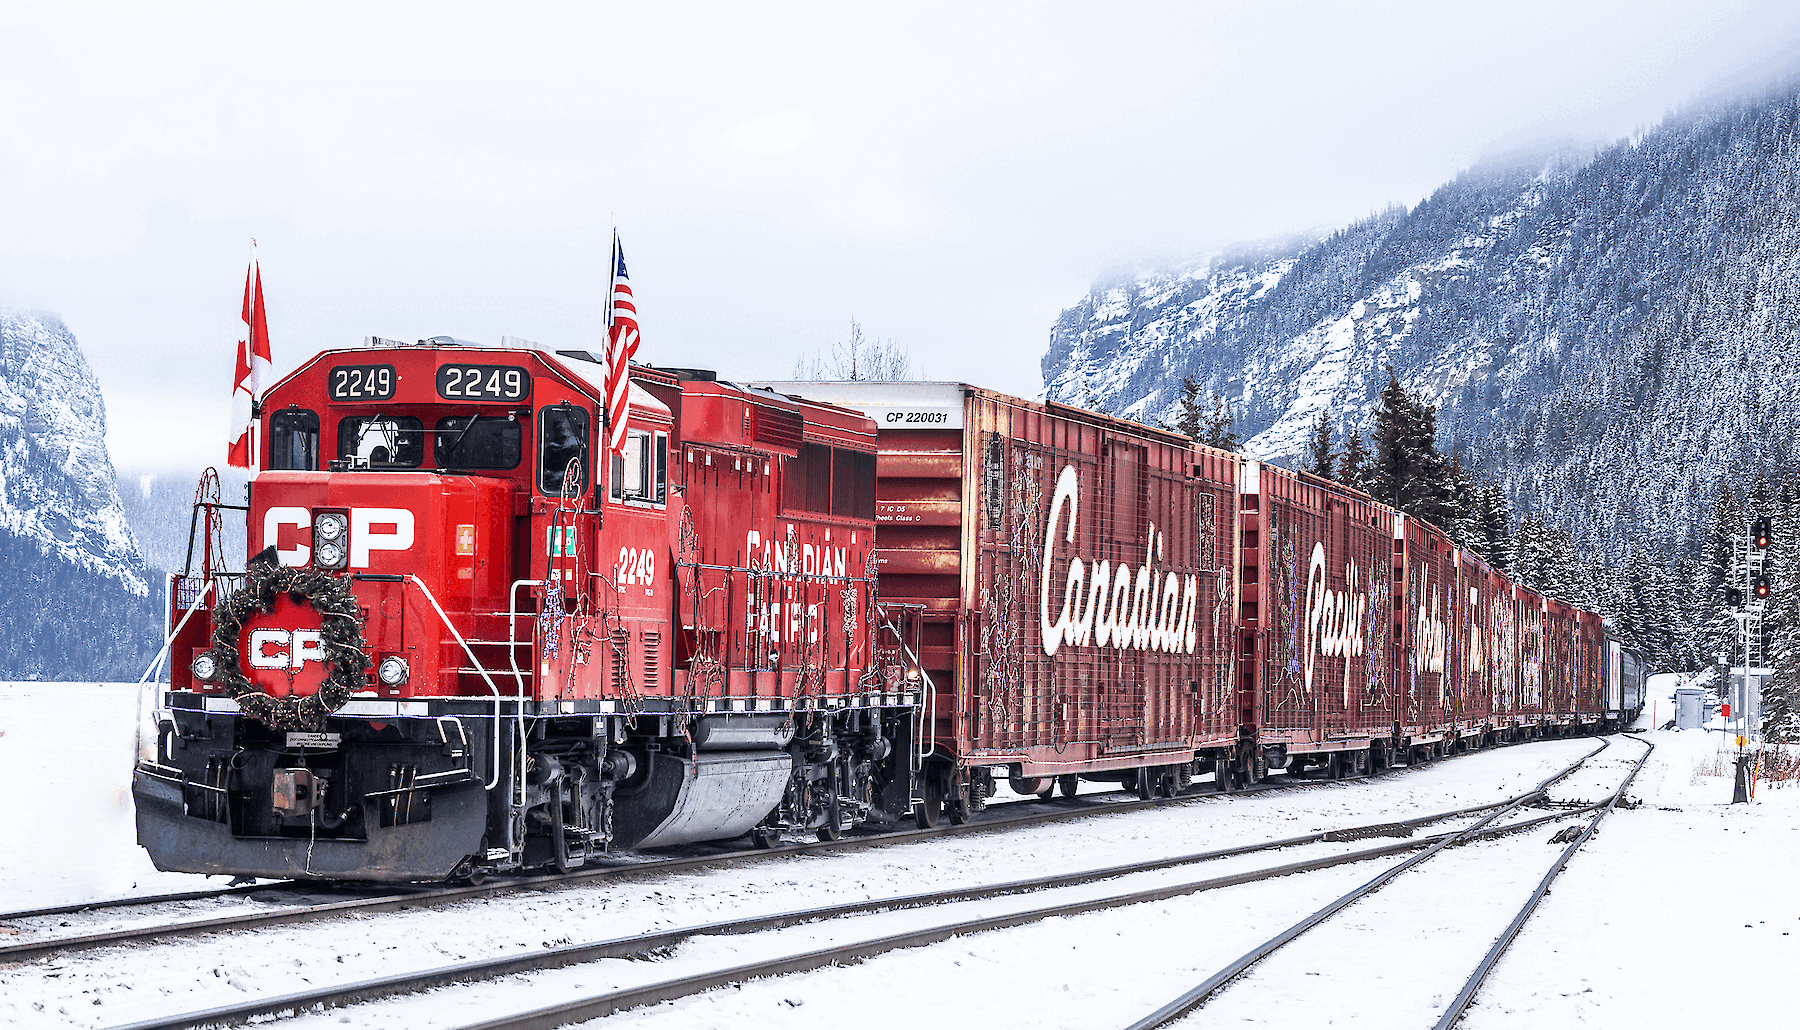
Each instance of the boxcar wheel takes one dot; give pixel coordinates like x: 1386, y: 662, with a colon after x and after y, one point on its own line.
x: 1222, y: 775
x: 1068, y: 784
x: 1145, y: 784
x: 959, y: 807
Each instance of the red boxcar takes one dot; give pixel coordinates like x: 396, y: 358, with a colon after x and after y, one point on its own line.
x: 1425, y: 582
x: 1073, y: 573
x: 1530, y: 608
x: 1472, y: 651
x: 1574, y: 695
x: 1318, y: 582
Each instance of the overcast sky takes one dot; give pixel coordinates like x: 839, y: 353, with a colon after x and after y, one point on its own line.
x: 951, y: 176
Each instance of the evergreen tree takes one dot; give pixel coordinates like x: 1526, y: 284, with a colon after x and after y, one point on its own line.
x: 1353, y: 463
x: 1496, y: 529
x: 1218, y: 428
x: 1465, y: 524
x: 1321, y: 460
x: 1719, y: 633
x: 1190, y: 416
x: 1092, y: 400
x: 1408, y: 473
x: 1781, y: 620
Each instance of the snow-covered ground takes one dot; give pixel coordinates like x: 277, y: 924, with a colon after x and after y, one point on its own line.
x: 66, y: 754
x: 1636, y: 933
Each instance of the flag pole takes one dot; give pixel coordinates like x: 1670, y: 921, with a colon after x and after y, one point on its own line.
x: 255, y: 422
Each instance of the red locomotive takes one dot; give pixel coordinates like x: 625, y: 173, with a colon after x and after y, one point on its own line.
x: 470, y: 640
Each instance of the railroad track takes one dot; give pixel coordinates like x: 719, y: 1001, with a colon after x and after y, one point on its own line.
x: 640, y: 946
x: 696, y: 857
x: 1088, y: 802
x: 689, y: 857
x: 1234, y: 971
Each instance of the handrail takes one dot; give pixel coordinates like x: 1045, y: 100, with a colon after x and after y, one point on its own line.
x: 185, y: 616
x: 489, y: 680
x: 927, y: 709
x: 512, y: 658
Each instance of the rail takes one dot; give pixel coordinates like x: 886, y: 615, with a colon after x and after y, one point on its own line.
x: 648, y: 945
x: 1454, y: 1012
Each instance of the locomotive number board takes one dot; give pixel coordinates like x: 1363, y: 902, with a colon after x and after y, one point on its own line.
x: 483, y: 383
x: 363, y: 382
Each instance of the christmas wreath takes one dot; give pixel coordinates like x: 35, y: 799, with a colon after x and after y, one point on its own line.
x: 340, y: 631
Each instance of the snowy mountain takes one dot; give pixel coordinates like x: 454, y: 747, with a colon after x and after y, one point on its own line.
x: 75, y: 601
x: 1609, y: 334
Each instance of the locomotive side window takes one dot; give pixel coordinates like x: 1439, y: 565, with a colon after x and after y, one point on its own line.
x: 641, y: 473
x: 562, y: 438
x: 806, y: 480
x: 853, y: 484
x: 294, y: 440
x: 478, y: 442
x: 830, y: 481
x: 382, y: 441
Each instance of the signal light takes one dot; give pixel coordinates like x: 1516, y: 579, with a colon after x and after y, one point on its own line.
x: 1761, y: 534
x: 1761, y: 586
x: 1734, y: 598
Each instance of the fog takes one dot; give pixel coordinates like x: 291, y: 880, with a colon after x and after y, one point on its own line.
x: 950, y: 176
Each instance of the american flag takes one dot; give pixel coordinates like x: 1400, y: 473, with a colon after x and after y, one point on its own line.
x: 622, y: 343
x: 253, y: 364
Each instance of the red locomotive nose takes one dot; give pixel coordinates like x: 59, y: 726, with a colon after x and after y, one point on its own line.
x: 282, y: 652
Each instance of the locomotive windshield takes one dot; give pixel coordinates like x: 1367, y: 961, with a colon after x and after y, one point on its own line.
x: 479, y: 442
x: 382, y: 441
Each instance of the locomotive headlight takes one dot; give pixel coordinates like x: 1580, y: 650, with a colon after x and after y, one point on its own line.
x: 329, y: 555
x: 328, y: 527
x: 392, y: 671
x: 204, y: 667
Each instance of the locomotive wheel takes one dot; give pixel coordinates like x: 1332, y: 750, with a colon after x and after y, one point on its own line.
x: 765, y: 837
x: 829, y: 832
x: 1068, y: 784
x: 927, y: 812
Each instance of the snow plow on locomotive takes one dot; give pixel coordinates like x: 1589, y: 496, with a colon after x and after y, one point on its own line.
x: 474, y: 639
x: 470, y: 642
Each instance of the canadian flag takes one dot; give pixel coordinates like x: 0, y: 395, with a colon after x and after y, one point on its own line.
x: 253, y: 362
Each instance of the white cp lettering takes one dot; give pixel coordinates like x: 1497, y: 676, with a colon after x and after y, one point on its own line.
x: 364, y: 537
x: 280, y: 649
x: 273, y: 520
x: 371, y: 529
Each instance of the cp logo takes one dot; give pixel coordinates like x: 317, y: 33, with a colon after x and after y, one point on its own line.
x: 371, y: 529
x: 284, y: 649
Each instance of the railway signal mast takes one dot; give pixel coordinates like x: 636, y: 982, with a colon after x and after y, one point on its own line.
x: 1744, y: 698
